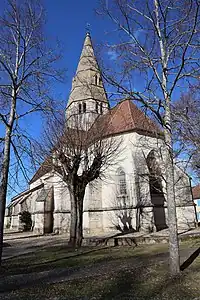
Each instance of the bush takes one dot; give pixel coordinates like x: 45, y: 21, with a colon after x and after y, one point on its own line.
x: 26, y: 220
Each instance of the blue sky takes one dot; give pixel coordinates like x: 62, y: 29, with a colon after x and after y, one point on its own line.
x: 67, y: 21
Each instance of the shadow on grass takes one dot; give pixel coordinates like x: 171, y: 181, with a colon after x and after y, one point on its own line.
x: 56, y: 274
x: 133, y: 285
x: 5, y: 244
x: 25, y: 265
x: 128, y: 269
x: 34, y: 262
x: 49, y: 252
x: 190, y: 259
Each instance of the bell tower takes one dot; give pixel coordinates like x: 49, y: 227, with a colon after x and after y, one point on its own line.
x: 87, y: 98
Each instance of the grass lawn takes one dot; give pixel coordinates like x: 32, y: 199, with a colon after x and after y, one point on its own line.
x: 111, y: 273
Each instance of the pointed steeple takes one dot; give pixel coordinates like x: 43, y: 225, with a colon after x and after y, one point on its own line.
x: 87, y: 58
x: 87, y: 94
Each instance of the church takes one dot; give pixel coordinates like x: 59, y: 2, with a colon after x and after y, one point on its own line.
x: 132, y: 194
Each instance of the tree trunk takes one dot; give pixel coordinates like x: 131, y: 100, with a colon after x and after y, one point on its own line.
x: 76, y: 224
x: 4, y: 184
x: 79, y: 231
x: 138, y: 217
x: 73, y: 221
x: 174, y: 258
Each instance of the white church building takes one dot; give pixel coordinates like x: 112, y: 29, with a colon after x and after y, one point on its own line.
x: 132, y: 193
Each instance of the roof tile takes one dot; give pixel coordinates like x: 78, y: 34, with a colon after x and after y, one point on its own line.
x: 125, y: 117
x: 196, y: 192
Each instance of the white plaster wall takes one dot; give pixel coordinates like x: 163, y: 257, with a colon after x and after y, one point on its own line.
x: 111, y: 219
x: 61, y: 195
x: 61, y: 222
x: 7, y: 223
x: 15, y: 222
x: 44, y: 179
x: 61, y: 205
x: 132, y: 160
x: 39, y: 217
x: 182, y: 187
x: 110, y: 199
x: 186, y: 217
x: 39, y: 223
x: 197, y: 209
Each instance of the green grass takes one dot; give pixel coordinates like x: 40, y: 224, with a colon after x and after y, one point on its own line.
x: 63, y: 257
x: 111, y: 273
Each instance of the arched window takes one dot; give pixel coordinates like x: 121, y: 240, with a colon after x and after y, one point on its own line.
x: 84, y: 107
x: 97, y: 107
x: 122, y: 182
x: 101, y: 108
x: 79, y: 108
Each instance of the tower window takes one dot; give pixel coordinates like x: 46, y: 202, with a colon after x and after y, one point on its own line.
x: 101, y: 108
x: 79, y: 108
x: 95, y: 79
x: 97, y: 107
x: 84, y: 107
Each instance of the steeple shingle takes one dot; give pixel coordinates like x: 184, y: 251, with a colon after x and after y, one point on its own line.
x: 87, y: 83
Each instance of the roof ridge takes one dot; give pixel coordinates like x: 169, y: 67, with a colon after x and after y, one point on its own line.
x: 147, y: 118
x: 112, y: 109
x: 120, y: 104
x: 131, y: 113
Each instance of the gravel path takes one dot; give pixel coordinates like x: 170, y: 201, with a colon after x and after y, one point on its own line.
x: 23, y: 245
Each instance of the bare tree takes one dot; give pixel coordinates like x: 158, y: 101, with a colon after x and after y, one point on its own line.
x: 158, y: 49
x: 26, y: 70
x: 186, y: 120
x: 80, y: 153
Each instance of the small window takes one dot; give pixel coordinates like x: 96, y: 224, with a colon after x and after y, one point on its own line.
x: 97, y: 107
x: 84, y: 107
x: 79, y: 108
x: 122, y: 182
x: 95, y: 79
x: 100, y: 81
x: 101, y: 108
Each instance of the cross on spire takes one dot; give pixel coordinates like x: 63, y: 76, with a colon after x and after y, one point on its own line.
x: 87, y: 28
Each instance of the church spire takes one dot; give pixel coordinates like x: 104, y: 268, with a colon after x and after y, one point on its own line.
x: 87, y: 58
x: 87, y: 95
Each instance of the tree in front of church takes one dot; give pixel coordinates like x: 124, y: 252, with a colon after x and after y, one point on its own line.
x: 80, y: 153
x: 26, y: 71
x: 157, y: 53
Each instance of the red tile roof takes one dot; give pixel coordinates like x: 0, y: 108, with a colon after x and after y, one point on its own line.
x: 196, y: 191
x: 127, y: 117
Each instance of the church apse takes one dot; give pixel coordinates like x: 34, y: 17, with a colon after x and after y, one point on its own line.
x: 156, y: 192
